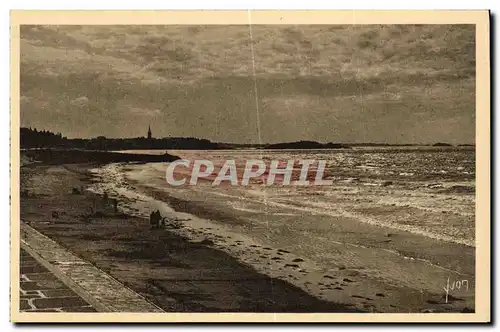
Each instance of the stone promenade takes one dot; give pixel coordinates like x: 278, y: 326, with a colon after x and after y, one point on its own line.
x: 41, y: 291
x: 54, y: 279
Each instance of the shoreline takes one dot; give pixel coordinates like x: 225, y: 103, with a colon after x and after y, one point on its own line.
x: 312, y: 277
x: 53, y: 156
x: 171, y: 271
x: 328, y: 287
x: 410, y: 252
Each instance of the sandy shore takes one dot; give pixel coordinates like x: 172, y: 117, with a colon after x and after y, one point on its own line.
x: 173, y: 272
x: 185, y: 268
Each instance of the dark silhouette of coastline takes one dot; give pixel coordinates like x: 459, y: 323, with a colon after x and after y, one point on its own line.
x: 442, y: 144
x: 74, y: 156
x: 307, y: 145
x: 32, y: 138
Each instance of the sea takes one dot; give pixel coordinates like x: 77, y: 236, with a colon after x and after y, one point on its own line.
x: 424, y: 193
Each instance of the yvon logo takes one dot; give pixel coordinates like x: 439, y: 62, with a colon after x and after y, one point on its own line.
x: 291, y: 172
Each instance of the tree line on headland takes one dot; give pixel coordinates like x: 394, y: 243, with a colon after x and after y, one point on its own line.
x: 33, y: 138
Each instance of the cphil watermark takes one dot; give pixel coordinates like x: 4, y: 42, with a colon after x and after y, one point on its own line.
x: 298, y: 173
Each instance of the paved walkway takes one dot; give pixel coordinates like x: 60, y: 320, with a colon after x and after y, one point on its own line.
x: 54, y: 279
x: 40, y: 290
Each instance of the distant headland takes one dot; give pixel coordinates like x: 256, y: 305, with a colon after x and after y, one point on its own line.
x: 33, y: 138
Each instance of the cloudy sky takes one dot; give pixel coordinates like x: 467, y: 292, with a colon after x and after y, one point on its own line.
x: 341, y: 83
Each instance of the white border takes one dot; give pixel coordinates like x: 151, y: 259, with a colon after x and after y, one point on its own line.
x: 157, y: 4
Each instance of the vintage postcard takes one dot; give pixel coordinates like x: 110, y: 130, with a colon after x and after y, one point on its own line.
x: 250, y: 166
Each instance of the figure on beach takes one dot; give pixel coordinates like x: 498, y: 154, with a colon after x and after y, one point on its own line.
x: 155, y: 219
x: 115, y: 204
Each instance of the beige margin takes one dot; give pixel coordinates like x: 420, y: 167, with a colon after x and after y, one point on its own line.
x: 478, y: 17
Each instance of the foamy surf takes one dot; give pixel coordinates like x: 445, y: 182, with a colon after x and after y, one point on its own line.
x: 246, y: 245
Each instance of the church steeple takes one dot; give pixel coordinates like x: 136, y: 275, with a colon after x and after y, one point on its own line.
x: 149, y: 132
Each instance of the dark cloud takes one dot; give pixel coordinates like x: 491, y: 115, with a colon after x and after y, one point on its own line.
x: 384, y: 83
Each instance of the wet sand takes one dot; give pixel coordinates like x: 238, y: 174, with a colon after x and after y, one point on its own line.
x: 352, y: 273
x: 176, y: 273
x: 182, y: 268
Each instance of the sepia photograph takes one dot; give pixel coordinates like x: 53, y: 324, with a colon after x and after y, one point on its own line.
x: 175, y: 166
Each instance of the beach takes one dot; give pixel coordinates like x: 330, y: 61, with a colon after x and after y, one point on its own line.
x: 175, y: 273
x: 286, y: 250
